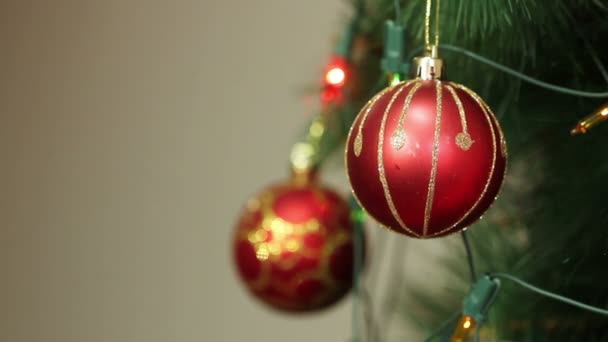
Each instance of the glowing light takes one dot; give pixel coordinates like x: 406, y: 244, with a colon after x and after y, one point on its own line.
x: 358, y: 215
x: 335, y: 76
x: 598, y: 116
x: 302, y: 156
x: 330, y: 94
x: 395, y: 79
x: 463, y: 330
x: 316, y: 129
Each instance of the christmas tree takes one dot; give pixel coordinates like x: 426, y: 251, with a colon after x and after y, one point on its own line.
x: 540, y: 66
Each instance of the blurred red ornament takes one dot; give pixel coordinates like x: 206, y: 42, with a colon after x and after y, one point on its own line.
x: 426, y: 158
x: 293, y: 245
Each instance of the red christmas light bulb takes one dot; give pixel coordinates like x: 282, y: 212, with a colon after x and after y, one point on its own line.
x: 335, y: 76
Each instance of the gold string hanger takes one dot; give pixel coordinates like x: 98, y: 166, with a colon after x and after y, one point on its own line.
x: 429, y: 66
x: 427, y: 26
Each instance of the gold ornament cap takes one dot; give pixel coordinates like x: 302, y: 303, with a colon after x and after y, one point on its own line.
x: 303, y: 163
x: 303, y: 177
x: 429, y: 66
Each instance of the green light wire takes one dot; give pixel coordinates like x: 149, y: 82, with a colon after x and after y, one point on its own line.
x: 550, y: 294
x: 473, y: 272
x: 398, y: 17
x: 470, y: 259
x: 360, y: 8
x: 522, y: 76
x: 441, y: 329
x: 358, y: 218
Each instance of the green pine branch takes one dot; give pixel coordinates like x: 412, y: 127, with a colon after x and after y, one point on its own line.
x: 550, y: 226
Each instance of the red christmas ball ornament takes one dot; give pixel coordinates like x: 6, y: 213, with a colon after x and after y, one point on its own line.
x: 426, y: 157
x: 293, y: 245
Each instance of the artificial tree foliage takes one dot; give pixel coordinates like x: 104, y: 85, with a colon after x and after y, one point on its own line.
x: 550, y: 224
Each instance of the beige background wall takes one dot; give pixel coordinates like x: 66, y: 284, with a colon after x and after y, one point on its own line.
x: 131, y: 132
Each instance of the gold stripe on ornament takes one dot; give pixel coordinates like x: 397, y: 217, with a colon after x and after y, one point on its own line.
x: 358, y: 143
x: 431, y: 191
x: 381, y: 172
x: 503, y: 142
x: 481, y: 104
x: 399, y: 138
x: 463, y: 139
x: 503, y: 149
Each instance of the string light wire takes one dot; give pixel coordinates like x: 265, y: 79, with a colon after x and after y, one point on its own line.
x: 517, y: 74
x: 357, y: 265
x: 522, y: 76
x: 549, y: 294
x: 524, y: 284
x: 446, y: 324
x: 471, y: 262
x: 398, y: 17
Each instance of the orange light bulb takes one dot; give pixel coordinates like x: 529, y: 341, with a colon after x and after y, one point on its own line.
x: 465, y: 328
x: 598, y: 116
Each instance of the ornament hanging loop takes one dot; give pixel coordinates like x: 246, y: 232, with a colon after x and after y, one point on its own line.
x: 427, y: 24
x: 305, y: 155
x: 429, y: 66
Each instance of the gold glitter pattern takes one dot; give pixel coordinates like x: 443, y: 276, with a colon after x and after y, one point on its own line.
x: 463, y: 139
x: 358, y: 143
x: 481, y: 104
x: 435, y: 158
x: 399, y: 138
x: 503, y: 141
x: 381, y: 171
x: 279, y: 242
